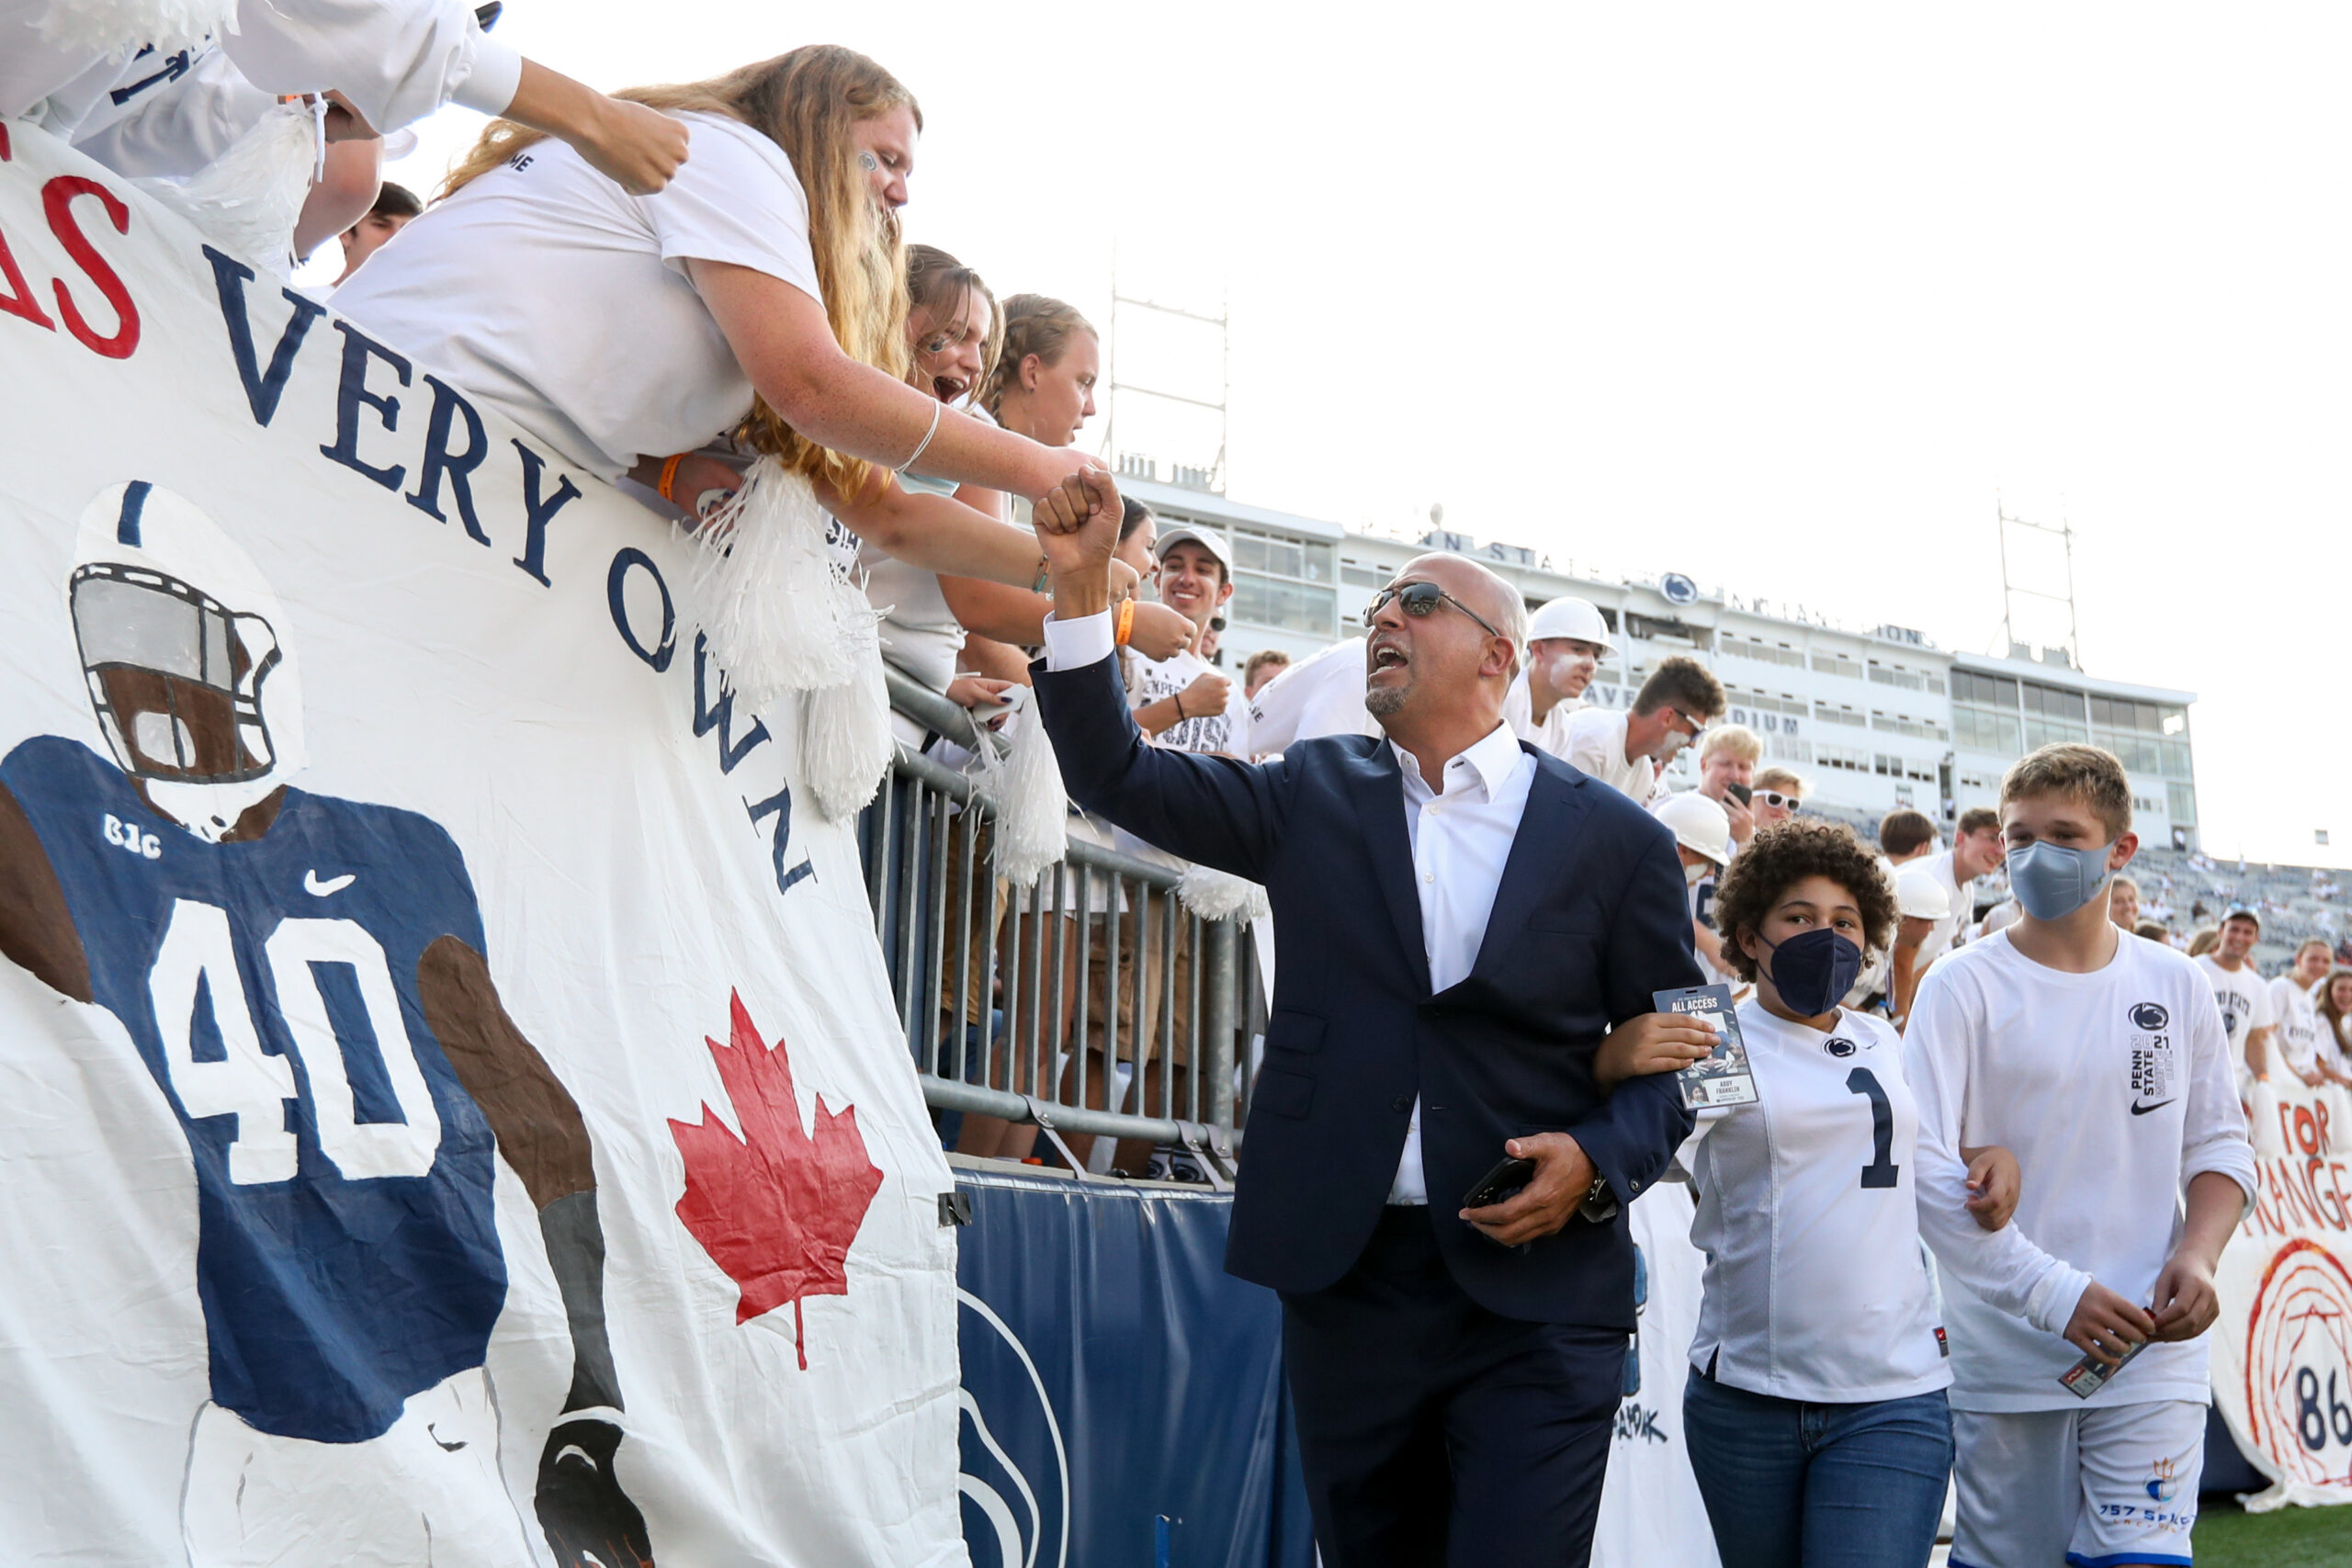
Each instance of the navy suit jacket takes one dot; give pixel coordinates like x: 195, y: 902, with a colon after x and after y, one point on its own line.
x: 1591, y: 915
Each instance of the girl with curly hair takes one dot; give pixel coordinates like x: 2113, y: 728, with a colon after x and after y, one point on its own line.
x: 1816, y: 1406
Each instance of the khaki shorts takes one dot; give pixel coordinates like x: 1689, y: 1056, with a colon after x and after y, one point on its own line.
x: 989, y: 892
x: 1098, y: 980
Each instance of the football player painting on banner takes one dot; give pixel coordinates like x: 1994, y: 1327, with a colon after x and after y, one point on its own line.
x: 305, y: 980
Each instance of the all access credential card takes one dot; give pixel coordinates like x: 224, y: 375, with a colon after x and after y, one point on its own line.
x: 1724, y: 1078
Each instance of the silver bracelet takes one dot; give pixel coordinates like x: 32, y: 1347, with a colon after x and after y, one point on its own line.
x: 924, y: 445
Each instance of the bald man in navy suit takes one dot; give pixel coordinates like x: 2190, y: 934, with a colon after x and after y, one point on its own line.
x: 1463, y: 923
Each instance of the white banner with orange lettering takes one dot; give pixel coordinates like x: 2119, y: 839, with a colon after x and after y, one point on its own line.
x: 451, y: 1107
x: 2282, y: 1349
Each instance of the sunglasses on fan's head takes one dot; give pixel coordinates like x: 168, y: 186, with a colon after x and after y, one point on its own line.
x: 1420, y: 599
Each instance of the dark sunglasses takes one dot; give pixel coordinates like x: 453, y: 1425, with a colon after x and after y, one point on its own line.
x: 1420, y: 599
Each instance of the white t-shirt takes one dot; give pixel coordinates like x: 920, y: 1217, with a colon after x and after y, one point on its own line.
x: 1317, y: 696
x: 1596, y: 744
x: 1150, y: 681
x: 920, y: 635
x: 1551, y: 735
x: 1154, y: 680
x: 545, y: 291
x: 2245, y: 1000
x: 2296, y: 1021
x: 1810, y: 1212
x: 1702, y: 913
x: 2113, y: 1090
x: 1961, y: 908
x: 1878, y: 967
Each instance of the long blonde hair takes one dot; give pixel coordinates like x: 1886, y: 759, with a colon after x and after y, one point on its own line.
x: 806, y: 102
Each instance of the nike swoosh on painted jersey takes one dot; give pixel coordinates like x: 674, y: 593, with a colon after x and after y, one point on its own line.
x: 317, y: 889
x: 2139, y: 1109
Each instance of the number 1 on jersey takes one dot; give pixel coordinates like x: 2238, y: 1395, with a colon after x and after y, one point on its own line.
x: 1881, y: 1171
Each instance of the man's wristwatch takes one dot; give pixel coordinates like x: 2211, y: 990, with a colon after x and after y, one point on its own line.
x: 1600, y: 1204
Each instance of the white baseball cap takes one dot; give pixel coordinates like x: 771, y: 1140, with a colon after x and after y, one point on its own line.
x: 1570, y: 617
x: 1919, y: 895
x: 1699, y: 824
x: 1209, y: 539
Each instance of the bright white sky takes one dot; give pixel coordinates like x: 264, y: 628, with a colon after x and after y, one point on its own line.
x: 1782, y: 298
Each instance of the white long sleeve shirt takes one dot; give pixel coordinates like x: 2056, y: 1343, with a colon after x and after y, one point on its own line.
x: 1812, y: 1208
x: 2113, y: 1089
x: 1461, y: 836
x: 396, y: 60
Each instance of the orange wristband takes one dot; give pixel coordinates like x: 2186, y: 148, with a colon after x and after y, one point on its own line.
x: 1125, y: 626
x: 669, y: 476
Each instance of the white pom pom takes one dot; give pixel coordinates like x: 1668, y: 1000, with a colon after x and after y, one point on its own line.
x: 1221, y: 895
x: 845, y: 741
x: 780, y: 616
x: 2262, y: 1121
x: 247, y: 201
x: 1024, y: 789
x: 118, y: 26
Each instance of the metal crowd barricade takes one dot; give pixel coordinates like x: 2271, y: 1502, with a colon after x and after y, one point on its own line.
x: 1020, y: 1002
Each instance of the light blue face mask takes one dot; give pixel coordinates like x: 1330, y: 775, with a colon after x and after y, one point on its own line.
x: 2052, y: 881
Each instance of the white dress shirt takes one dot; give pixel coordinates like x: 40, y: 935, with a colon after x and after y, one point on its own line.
x: 1461, y: 836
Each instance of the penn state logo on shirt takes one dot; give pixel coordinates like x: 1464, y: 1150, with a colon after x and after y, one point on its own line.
x: 2154, y: 1071
x: 1840, y: 1046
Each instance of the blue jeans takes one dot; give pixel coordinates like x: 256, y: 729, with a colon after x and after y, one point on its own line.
x: 1795, y: 1486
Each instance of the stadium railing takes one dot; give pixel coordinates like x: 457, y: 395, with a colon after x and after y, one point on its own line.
x: 977, y: 968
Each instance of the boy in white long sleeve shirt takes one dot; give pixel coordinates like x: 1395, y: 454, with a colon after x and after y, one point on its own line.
x: 2101, y: 1061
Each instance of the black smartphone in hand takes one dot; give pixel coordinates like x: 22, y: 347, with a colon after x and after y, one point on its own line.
x: 1508, y: 1177
x: 1741, y: 793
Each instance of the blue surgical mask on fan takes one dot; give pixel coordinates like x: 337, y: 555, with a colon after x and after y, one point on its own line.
x: 1814, y: 970
x: 2052, y: 881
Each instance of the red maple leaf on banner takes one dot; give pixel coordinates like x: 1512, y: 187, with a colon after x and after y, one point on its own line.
x: 777, y: 1208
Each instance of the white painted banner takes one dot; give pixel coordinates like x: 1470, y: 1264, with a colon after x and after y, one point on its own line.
x: 2282, y: 1349
x: 1650, y: 1509
x: 450, y: 1104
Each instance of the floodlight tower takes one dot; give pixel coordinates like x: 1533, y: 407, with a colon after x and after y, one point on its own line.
x: 1211, y: 478
x: 2012, y: 589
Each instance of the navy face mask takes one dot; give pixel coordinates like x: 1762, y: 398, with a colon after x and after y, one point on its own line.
x: 1812, y: 970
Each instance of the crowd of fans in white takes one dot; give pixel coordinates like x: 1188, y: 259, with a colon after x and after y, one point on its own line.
x: 699, y: 292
